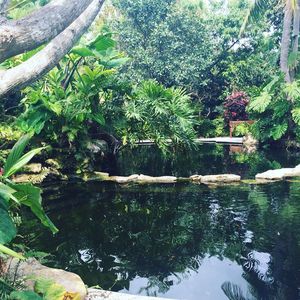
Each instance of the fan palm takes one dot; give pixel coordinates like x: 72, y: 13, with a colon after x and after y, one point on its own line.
x: 291, y: 23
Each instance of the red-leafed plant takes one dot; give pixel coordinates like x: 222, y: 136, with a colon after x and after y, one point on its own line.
x: 235, y: 107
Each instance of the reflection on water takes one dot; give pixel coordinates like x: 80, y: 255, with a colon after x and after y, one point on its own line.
x: 183, y: 241
x: 206, y: 159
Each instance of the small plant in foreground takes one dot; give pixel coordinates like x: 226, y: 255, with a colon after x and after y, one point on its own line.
x: 13, y: 194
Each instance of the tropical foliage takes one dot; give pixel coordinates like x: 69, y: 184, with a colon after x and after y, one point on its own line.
x: 12, y: 194
x: 155, y: 112
x: 162, y: 71
x: 277, y: 110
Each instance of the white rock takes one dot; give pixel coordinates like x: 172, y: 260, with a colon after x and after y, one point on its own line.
x: 94, y: 294
x: 161, y: 179
x: 195, y: 177
x: 124, y: 179
x: 294, y: 173
x: 278, y: 174
x: 223, y: 178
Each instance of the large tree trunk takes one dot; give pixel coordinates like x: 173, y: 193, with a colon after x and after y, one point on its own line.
x: 39, y: 64
x: 295, y: 37
x: 18, y: 36
x: 286, y: 39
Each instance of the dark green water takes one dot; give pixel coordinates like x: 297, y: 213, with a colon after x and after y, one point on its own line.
x: 183, y: 241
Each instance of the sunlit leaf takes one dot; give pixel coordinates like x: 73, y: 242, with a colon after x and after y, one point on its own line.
x: 30, y: 196
x: 25, y: 295
x: 82, y: 51
x: 260, y: 103
x: 16, y: 153
x: 21, y: 162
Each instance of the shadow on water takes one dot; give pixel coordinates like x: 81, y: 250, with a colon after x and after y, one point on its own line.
x: 183, y: 241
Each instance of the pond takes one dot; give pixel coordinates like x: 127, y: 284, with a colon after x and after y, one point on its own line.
x: 181, y: 241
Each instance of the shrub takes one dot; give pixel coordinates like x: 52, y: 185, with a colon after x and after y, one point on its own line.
x: 235, y: 107
x: 158, y: 113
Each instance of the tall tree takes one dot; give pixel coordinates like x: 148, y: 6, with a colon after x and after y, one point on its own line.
x: 290, y: 30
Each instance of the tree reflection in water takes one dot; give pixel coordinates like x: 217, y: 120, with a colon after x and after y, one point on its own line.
x: 112, y: 235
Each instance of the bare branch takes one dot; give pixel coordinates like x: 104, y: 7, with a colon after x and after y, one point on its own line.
x: 39, y: 64
x: 41, y: 26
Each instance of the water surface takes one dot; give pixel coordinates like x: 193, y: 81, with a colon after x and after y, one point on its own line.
x: 183, y: 241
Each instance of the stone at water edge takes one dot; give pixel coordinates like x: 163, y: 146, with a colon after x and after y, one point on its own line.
x: 135, y: 178
x: 161, y: 179
x: 123, y: 179
x: 31, y: 267
x: 53, y: 163
x: 95, y: 176
x: 34, y: 168
x: 195, y: 177
x: 278, y: 174
x: 94, y: 294
x: 222, y: 178
x: 294, y: 173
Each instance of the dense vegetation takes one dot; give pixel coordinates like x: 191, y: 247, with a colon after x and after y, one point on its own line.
x: 167, y: 71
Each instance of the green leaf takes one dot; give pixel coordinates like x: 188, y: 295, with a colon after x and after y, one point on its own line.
x: 25, y: 295
x: 292, y: 90
x: 82, y: 51
x: 6, y: 192
x: 21, y: 162
x: 98, y: 118
x: 7, y: 227
x: 55, y: 107
x: 278, y: 131
x: 16, y: 153
x: 260, y: 103
x: 296, y: 115
x: 50, y: 289
x: 10, y: 252
x: 117, y: 62
x: 30, y: 196
x: 102, y: 43
x: 257, y: 9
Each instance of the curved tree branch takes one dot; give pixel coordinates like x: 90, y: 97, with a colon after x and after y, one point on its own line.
x: 32, y: 69
x: 18, y: 36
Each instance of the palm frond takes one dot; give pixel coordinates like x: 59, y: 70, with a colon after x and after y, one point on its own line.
x: 257, y: 9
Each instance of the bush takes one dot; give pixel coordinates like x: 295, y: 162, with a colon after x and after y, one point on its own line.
x: 158, y: 113
x: 235, y: 107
